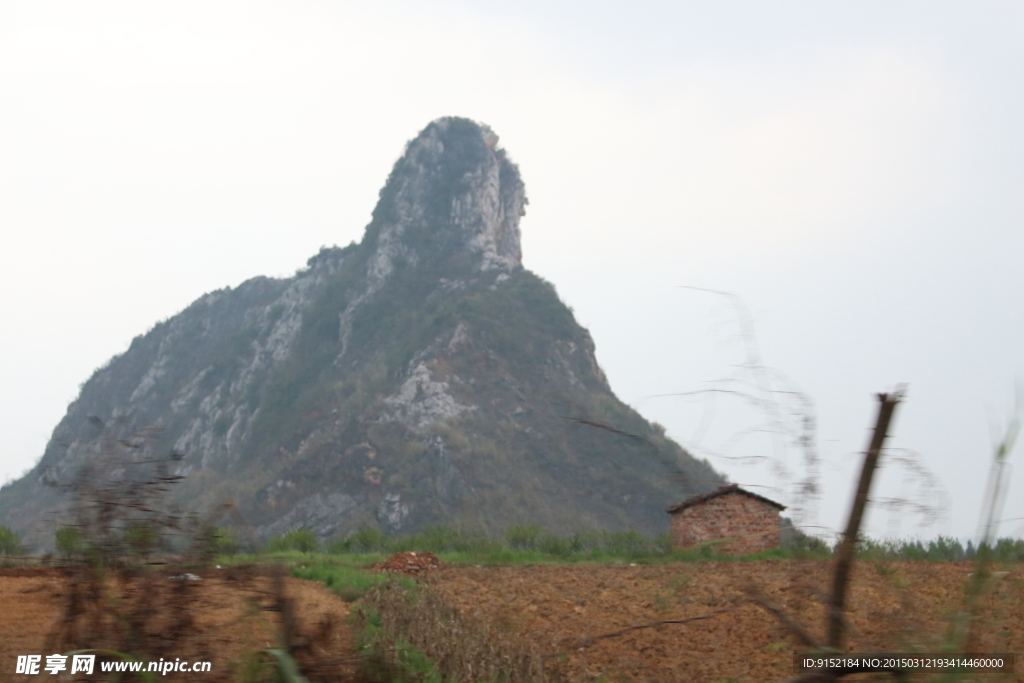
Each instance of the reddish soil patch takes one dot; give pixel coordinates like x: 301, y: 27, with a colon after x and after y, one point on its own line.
x: 567, y: 612
x: 31, y: 571
x: 411, y: 563
x: 228, y: 619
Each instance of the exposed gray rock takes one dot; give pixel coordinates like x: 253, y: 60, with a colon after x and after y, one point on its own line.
x: 392, y: 512
x: 448, y: 481
x: 422, y: 402
x: 322, y: 514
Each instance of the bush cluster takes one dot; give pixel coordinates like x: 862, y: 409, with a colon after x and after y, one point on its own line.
x: 10, y: 542
x: 941, y: 549
x: 301, y: 540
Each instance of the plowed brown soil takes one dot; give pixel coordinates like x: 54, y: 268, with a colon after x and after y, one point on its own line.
x: 409, y: 563
x: 581, y: 617
x: 578, y: 615
x: 229, y: 621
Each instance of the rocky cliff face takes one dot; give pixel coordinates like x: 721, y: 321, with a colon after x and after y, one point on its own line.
x: 422, y: 376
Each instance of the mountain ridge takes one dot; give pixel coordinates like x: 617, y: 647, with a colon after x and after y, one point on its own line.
x: 420, y: 376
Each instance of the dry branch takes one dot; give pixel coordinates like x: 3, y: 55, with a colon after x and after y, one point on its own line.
x: 836, y: 620
x: 844, y: 555
x: 587, y: 642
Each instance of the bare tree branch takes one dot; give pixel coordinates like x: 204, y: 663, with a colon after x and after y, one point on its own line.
x: 587, y: 642
x: 845, y: 552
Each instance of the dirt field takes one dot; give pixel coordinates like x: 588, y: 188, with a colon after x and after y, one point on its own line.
x: 566, y: 610
x: 228, y: 619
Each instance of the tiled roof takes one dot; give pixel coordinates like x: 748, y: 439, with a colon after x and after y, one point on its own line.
x: 731, y: 488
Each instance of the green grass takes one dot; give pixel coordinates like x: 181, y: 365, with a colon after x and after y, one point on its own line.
x: 348, y: 581
x: 521, y: 545
x: 532, y: 544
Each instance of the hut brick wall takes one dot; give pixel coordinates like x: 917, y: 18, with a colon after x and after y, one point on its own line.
x: 753, y: 523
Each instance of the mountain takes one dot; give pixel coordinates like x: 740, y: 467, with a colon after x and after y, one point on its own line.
x: 421, y: 376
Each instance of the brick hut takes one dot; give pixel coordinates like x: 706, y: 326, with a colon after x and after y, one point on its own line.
x: 729, y: 512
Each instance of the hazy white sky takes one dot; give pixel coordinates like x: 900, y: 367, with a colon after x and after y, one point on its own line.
x: 853, y: 170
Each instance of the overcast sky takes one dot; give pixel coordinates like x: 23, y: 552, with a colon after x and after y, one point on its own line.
x: 852, y: 171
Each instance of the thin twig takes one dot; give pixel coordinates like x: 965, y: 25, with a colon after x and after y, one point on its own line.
x: 590, y: 640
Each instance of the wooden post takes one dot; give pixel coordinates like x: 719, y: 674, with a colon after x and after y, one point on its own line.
x: 845, y: 553
x: 286, y: 606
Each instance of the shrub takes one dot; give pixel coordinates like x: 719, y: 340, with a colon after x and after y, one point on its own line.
x: 301, y: 540
x: 629, y: 543
x: 441, y: 539
x: 366, y: 540
x: 795, y: 539
x: 946, y: 549
x: 553, y: 545
x: 214, y: 541
x: 585, y: 541
x: 142, y: 537
x: 663, y: 543
x: 69, y: 542
x: 10, y: 542
x: 1009, y: 550
x: 523, y: 536
x: 941, y: 549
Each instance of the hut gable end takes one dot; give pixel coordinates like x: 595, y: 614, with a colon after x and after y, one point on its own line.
x: 748, y: 523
